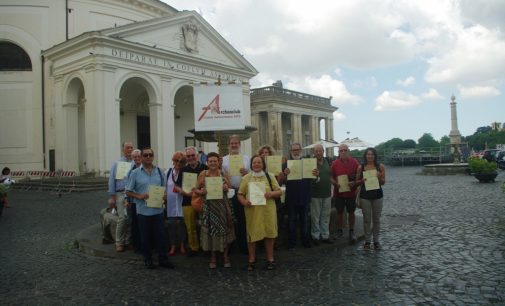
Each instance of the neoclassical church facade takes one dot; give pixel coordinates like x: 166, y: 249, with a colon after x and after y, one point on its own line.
x: 79, y: 77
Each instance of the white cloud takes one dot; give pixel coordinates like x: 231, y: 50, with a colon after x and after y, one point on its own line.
x: 478, y: 92
x: 338, y: 116
x: 408, y: 81
x: 326, y: 86
x: 433, y: 94
x: 395, y: 100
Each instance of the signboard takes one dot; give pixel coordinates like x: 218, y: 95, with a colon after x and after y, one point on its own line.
x: 218, y: 108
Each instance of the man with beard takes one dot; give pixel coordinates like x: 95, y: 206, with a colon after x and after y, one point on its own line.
x: 297, y: 202
x: 238, y: 209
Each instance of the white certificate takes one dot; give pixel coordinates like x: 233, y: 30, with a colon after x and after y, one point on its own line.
x: 371, y: 180
x: 274, y: 164
x: 155, y: 199
x: 236, y: 162
x: 295, y: 170
x: 309, y: 164
x: 257, y: 193
x: 121, y: 169
x: 188, y: 181
x: 214, y: 187
x: 343, y: 182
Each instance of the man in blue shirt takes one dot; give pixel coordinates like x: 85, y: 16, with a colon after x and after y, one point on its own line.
x: 150, y: 219
x: 116, y: 190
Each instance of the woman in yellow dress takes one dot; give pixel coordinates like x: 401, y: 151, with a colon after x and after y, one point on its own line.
x: 261, y: 220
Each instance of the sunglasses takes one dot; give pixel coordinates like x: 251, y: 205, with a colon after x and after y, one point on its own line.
x: 148, y: 154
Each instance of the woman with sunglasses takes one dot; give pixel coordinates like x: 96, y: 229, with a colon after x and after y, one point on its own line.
x: 176, y: 225
x: 217, y: 230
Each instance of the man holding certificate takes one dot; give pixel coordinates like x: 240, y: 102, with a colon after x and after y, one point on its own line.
x: 320, y: 203
x: 146, y: 185
x: 117, y: 183
x: 297, y: 197
x: 189, y: 178
x: 343, y: 172
x: 372, y: 175
x: 236, y: 166
x: 257, y: 194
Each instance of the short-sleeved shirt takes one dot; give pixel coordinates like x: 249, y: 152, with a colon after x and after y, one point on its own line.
x: 139, y: 182
x: 348, y: 167
x: 116, y: 185
x: 235, y: 180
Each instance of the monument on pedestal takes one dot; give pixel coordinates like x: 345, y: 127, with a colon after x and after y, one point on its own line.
x: 454, y: 135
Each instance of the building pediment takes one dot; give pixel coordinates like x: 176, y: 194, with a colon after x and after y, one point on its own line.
x: 185, y: 33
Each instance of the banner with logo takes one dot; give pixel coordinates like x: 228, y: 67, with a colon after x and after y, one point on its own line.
x: 218, y: 108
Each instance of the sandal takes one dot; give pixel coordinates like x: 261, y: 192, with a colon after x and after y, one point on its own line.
x: 270, y: 265
x: 251, y: 266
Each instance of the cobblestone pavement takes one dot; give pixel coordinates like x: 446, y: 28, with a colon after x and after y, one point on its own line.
x: 443, y: 239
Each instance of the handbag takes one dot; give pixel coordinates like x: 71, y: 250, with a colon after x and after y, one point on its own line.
x: 278, y: 202
x: 197, y: 202
x: 358, y: 202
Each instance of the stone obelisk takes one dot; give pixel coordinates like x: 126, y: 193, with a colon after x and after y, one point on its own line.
x: 454, y: 135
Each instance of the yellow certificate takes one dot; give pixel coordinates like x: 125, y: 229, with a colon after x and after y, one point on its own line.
x: 214, y: 186
x: 309, y: 164
x: 343, y: 181
x: 295, y: 170
x: 274, y: 164
x: 155, y: 199
x: 371, y: 180
x: 256, y: 193
x: 188, y: 181
x: 121, y: 169
x: 236, y: 162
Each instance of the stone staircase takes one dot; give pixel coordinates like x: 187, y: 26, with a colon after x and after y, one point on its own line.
x: 62, y: 185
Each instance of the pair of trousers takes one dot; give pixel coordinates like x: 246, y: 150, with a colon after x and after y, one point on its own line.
x: 177, y: 233
x: 240, y: 228
x: 123, y: 228
x: 298, y: 215
x: 320, y: 209
x: 152, y: 229
x: 190, y: 220
x: 372, y: 210
x: 135, y: 233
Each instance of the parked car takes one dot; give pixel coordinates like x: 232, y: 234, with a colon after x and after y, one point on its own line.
x: 490, y: 155
x: 500, y: 160
x: 477, y: 154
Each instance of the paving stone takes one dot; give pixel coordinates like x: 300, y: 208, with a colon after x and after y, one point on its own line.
x: 442, y: 245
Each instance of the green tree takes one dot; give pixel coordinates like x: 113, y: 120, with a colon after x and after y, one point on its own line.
x: 445, y: 140
x: 409, y: 144
x: 427, y: 141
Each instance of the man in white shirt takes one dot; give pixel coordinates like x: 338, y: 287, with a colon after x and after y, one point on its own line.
x: 238, y: 209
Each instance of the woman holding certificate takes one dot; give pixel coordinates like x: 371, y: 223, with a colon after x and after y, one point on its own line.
x: 217, y: 230
x: 176, y: 225
x: 257, y: 193
x: 371, y: 175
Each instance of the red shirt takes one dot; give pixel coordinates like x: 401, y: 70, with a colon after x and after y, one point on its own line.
x: 349, y: 167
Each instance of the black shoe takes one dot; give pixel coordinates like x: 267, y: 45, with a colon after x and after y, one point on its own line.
x: 167, y: 265
x: 149, y: 264
x: 327, y: 241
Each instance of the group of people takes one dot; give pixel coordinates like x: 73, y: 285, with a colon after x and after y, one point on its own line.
x: 232, y: 214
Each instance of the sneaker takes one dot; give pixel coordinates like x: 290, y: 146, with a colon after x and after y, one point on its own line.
x: 377, y: 246
x: 366, y: 246
x: 352, y: 236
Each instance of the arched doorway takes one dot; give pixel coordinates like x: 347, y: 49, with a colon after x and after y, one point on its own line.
x: 135, y: 119
x: 76, y: 112
x: 184, y: 118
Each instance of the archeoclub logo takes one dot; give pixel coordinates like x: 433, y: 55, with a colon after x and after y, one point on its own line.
x: 213, y: 106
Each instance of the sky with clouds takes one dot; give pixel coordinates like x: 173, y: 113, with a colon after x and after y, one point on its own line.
x: 390, y: 66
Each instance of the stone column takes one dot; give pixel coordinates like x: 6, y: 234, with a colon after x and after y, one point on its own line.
x: 329, y: 135
x: 274, y: 130
x: 315, y: 128
x: 166, y: 140
x: 279, y: 144
x: 255, y: 136
x: 296, y: 127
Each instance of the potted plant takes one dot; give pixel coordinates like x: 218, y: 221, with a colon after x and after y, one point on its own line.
x: 483, y: 170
